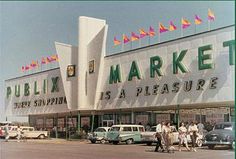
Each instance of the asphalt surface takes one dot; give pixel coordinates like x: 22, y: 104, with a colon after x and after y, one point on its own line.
x: 61, y: 149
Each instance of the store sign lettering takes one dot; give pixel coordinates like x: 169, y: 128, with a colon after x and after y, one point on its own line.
x: 40, y: 102
x: 166, y: 88
x: 29, y: 88
x: 156, y: 62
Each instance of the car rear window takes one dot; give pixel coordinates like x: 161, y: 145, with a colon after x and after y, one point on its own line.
x: 135, y: 129
x: 141, y: 129
x: 223, y: 126
x: 115, y: 129
x: 127, y: 129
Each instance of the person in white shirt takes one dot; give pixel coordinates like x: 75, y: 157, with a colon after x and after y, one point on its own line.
x: 183, y: 136
x: 6, y: 128
x: 19, y: 131
x: 192, y: 129
x: 159, y: 136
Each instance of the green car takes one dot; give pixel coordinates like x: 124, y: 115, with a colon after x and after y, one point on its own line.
x: 125, y: 133
x: 100, y: 134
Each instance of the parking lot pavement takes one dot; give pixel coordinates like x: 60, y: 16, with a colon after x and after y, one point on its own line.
x: 85, y: 150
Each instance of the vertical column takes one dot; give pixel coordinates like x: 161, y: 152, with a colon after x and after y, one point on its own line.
x: 177, y: 116
x: 66, y: 127
x: 92, y: 121
x: 56, y: 131
x: 78, y: 124
x: 132, y: 117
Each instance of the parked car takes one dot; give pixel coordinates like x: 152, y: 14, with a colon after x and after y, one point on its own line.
x: 100, y: 134
x: 149, y: 138
x: 125, y: 133
x: 30, y: 132
x: 222, y: 134
x: 11, y: 129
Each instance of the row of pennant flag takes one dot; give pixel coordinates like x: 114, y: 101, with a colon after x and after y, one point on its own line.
x: 142, y: 33
x: 38, y: 63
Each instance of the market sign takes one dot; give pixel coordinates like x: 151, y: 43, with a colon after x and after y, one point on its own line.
x: 156, y: 63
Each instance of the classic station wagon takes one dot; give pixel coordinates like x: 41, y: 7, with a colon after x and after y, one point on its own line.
x: 125, y: 133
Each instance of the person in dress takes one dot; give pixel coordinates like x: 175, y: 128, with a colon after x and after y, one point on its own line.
x: 193, y: 135
x: 166, y: 131
x: 183, y: 137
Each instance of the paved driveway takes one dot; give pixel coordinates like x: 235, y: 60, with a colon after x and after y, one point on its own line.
x: 61, y: 149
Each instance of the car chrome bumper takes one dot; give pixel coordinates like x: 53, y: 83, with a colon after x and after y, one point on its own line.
x: 217, y: 143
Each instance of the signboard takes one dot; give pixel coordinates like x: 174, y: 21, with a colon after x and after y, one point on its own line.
x: 162, y: 117
x: 143, y: 119
x: 91, y: 66
x: 70, y: 70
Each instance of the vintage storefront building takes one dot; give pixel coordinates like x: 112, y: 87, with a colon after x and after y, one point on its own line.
x: 190, y: 78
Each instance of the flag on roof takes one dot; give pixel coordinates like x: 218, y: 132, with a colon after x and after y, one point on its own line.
x: 125, y: 39
x: 211, y: 15
x: 54, y: 57
x: 151, y: 31
x: 185, y: 23
x: 172, y: 26
x: 23, y: 68
x: 116, y: 42
x: 43, y: 60
x: 162, y: 28
x: 27, y: 67
x: 48, y: 59
x: 142, y: 33
x: 134, y: 36
x: 197, y: 20
x: 34, y: 63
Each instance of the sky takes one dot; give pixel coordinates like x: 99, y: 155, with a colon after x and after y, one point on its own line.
x: 28, y: 30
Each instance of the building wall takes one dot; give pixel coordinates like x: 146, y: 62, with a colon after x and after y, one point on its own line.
x: 42, y: 103
x: 223, y: 71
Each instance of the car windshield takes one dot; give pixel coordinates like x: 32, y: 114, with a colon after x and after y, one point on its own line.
x: 115, y: 129
x: 100, y: 130
x: 224, y: 126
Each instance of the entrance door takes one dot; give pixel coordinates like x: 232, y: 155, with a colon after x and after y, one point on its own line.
x: 107, y: 123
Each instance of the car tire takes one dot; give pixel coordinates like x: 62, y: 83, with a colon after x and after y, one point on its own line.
x: 93, y: 141
x: 211, y: 147
x: 233, y: 145
x: 149, y: 143
x: 129, y: 141
x: 199, y: 143
x: 103, y: 141
x: 41, y: 136
x: 115, y: 142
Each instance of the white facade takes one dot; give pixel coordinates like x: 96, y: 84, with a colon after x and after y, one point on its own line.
x: 223, y: 71
x: 87, y: 91
x: 44, y: 101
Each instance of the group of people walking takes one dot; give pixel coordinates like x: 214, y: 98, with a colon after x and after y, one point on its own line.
x: 164, y: 136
